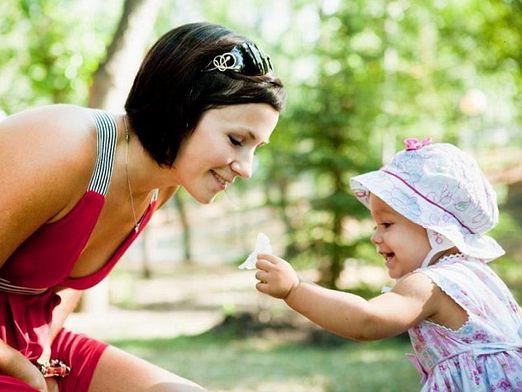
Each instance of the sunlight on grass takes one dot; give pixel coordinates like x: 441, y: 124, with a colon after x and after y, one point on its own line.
x: 222, y: 363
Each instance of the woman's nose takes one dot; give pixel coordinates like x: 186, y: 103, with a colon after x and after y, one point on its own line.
x: 243, y: 167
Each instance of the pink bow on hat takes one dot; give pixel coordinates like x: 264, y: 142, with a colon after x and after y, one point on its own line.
x: 413, y: 143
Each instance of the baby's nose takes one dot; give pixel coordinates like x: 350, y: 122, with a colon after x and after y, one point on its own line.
x: 376, y: 238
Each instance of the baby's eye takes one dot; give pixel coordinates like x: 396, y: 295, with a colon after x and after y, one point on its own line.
x: 386, y: 224
x: 235, y: 141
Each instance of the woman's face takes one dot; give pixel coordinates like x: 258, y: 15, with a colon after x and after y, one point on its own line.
x: 222, y: 147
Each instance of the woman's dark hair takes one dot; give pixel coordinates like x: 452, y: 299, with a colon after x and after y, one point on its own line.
x: 171, y: 90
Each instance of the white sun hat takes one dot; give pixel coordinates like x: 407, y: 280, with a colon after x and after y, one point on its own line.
x: 442, y: 189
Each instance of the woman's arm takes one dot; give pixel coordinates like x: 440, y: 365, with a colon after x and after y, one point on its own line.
x: 14, y: 364
x: 412, y: 300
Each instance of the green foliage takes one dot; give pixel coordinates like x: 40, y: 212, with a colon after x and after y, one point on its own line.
x: 507, y: 227
x: 339, y: 111
x: 360, y: 75
x: 50, y: 49
x: 383, y: 71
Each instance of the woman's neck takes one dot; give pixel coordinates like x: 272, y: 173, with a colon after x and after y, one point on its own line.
x: 144, y: 173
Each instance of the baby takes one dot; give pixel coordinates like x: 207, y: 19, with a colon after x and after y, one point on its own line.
x: 432, y: 206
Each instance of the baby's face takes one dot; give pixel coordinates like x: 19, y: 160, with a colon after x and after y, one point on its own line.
x: 402, y: 243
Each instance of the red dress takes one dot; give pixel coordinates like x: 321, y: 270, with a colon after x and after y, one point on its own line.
x: 45, y: 260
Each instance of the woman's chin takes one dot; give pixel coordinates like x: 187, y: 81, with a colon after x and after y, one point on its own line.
x: 204, y: 198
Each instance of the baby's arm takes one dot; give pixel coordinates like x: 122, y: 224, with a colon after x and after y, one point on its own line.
x: 412, y: 300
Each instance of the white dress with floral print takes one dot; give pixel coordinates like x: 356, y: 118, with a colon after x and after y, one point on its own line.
x: 485, y: 354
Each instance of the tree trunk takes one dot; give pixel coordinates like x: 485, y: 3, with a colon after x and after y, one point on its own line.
x: 513, y: 206
x: 111, y: 84
x: 146, y: 271
x: 292, y: 248
x: 331, y: 269
x: 182, y: 212
x: 114, y: 76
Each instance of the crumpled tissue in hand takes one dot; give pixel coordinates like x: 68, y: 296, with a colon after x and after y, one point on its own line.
x: 262, y: 246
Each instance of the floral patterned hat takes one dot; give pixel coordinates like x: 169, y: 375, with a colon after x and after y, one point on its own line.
x: 442, y: 189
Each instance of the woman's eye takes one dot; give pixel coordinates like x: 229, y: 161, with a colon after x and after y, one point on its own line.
x: 235, y: 141
x: 386, y: 224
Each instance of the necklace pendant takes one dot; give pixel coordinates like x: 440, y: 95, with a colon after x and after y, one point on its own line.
x: 137, y: 228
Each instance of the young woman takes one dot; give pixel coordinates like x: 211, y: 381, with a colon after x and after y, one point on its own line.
x: 78, y: 185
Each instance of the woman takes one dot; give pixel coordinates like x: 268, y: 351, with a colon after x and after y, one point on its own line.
x: 77, y: 186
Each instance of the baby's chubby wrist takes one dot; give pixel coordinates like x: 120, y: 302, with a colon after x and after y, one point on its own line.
x: 293, y: 288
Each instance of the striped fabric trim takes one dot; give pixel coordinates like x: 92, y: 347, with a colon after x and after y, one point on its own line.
x: 12, y: 288
x: 106, y: 135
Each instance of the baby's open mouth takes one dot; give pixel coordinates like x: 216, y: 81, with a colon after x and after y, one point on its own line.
x: 387, y: 255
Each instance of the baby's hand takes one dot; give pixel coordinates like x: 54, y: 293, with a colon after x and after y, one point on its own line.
x: 276, y: 276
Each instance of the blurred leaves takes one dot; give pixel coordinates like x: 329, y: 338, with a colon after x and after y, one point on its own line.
x: 50, y: 49
x: 360, y: 75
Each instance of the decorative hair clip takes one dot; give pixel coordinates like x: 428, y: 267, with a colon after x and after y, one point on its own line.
x: 232, y: 61
x: 246, y: 59
x: 412, y: 143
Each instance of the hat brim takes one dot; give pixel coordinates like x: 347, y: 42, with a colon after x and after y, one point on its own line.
x: 420, y: 211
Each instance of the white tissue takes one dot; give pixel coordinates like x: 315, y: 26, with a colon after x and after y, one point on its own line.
x: 262, y: 246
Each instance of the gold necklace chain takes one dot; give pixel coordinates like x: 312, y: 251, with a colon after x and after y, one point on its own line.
x: 127, y: 138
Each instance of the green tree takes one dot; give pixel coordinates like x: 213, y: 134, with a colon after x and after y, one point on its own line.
x: 383, y: 71
x: 337, y: 111
x: 48, y: 56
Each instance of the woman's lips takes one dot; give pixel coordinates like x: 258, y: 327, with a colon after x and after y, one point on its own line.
x: 222, y: 182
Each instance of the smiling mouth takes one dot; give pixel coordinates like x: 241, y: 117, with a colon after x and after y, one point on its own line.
x: 220, y: 179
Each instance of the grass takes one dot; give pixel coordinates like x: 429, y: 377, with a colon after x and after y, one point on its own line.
x: 221, y: 362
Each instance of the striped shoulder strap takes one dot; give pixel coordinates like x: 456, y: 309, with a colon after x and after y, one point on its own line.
x: 155, y: 195
x: 106, y: 134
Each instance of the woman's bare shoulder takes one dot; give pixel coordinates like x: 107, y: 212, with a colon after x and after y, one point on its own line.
x: 47, y: 155
x: 54, y: 135
x: 52, y: 120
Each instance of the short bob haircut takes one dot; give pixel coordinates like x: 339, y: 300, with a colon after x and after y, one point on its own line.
x: 170, y: 92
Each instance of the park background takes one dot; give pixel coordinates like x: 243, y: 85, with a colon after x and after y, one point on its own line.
x: 361, y: 76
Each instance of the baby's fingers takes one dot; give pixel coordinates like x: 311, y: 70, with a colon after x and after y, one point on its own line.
x: 263, y: 264
x: 262, y: 276
x: 267, y: 256
x: 262, y: 287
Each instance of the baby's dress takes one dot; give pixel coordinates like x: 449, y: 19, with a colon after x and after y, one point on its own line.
x: 485, y: 354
